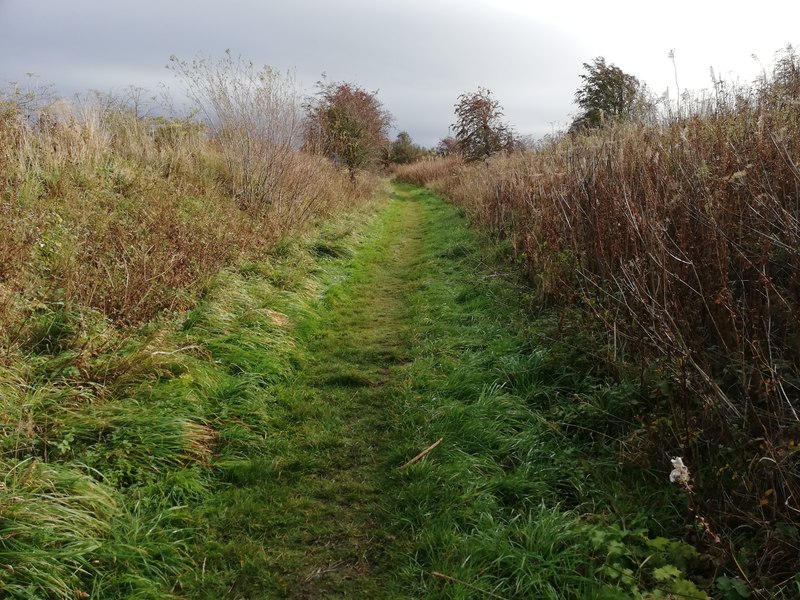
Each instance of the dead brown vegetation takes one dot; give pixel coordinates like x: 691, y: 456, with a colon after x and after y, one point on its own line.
x: 682, y: 238
x: 129, y: 215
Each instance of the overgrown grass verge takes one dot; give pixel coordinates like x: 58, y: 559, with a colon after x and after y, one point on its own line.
x: 113, y: 223
x: 116, y: 443
x: 108, y: 209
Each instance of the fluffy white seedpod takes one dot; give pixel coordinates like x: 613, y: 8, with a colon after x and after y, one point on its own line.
x: 680, y: 473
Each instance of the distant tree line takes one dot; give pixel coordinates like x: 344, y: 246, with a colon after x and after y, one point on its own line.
x: 607, y: 95
x: 350, y: 126
x: 403, y: 150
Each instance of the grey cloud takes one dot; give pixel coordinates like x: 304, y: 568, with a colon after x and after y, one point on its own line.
x: 420, y: 54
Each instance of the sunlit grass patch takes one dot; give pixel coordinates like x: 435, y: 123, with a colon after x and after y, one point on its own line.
x: 53, y: 521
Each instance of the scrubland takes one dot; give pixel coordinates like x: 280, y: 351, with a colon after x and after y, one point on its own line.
x: 128, y: 214
x: 673, y: 241
x: 215, y: 354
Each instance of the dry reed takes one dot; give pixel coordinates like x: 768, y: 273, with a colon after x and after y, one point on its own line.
x: 681, y: 237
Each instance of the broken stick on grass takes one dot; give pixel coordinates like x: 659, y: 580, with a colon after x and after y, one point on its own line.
x: 422, y: 454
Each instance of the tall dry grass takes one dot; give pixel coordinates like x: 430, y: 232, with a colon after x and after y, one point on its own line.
x: 427, y: 169
x: 681, y: 237
x: 104, y: 207
x: 110, y: 217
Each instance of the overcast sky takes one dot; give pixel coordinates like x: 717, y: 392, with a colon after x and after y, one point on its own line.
x: 419, y: 54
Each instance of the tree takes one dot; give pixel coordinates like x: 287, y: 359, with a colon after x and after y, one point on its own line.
x: 403, y: 150
x: 479, y: 129
x: 607, y: 94
x: 447, y: 146
x: 347, y: 124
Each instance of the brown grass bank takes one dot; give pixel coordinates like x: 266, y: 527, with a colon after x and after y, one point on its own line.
x: 128, y: 215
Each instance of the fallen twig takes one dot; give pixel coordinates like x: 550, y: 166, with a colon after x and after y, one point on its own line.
x: 422, y: 454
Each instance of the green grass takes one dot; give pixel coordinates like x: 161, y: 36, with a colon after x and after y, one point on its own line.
x: 510, y: 500
x: 306, y: 517
x: 253, y: 449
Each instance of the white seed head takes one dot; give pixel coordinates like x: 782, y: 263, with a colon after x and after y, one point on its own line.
x: 680, y: 472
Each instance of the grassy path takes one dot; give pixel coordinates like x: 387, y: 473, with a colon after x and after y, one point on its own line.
x: 252, y: 449
x: 333, y: 539
x: 318, y: 500
x: 417, y: 337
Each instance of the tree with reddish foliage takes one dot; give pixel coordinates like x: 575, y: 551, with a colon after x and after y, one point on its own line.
x: 479, y: 129
x: 447, y: 146
x: 347, y: 124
